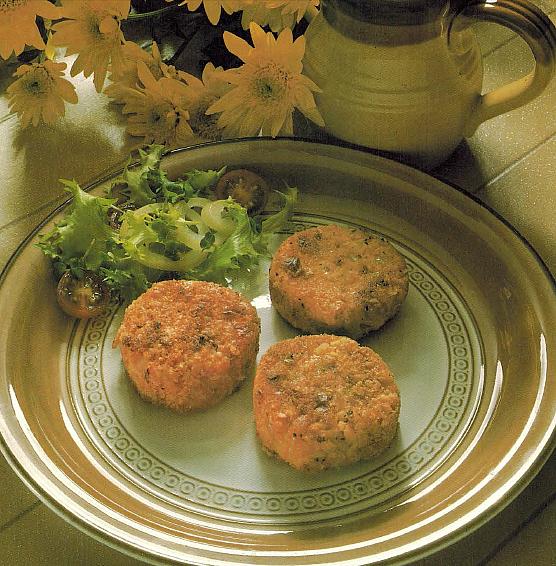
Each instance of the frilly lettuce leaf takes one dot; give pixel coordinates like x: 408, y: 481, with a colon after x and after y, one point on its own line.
x: 241, y: 249
x: 155, y: 239
x: 202, y: 181
x: 146, y: 183
x: 246, y: 245
x: 152, y: 237
x: 279, y: 220
x: 138, y: 188
x: 84, y: 233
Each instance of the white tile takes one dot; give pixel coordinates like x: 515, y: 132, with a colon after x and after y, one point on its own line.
x: 16, y: 498
x: 41, y: 537
x: 526, y: 196
x: 535, y: 544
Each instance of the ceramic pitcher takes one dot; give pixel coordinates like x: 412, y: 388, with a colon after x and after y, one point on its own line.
x: 405, y: 76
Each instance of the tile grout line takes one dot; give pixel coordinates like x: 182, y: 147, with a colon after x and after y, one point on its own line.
x: 6, y: 117
x: 20, y: 515
x: 57, y: 201
x: 499, y: 46
x: 515, y: 163
x: 63, y: 197
x: 536, y: 513
x: 549, y: 13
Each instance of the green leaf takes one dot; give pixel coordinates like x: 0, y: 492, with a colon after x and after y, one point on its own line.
x: 84, y: 233
x: 208, y: 240
x: 127, y: 277
x: 138, y: 236
x: 146, y: 183
x: 278, y: 221
x: 203, y: 181
x: 242, y: 249
x: 166, y: 190
x: 135, y: 180
x: 159, y: 238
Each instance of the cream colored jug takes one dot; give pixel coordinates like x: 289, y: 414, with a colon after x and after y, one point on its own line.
x: 405, y: 76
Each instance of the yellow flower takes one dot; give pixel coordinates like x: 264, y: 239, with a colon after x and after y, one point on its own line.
x: 264, y: 13
x: 268, y: 87
x: 18, y: 27
x: 40, y: 91
x: 277, y: 14
x: 126, y: 76
x: 92, y: 30
x: 158, y: 112
x: 297, y: 8
x: 213, y: 8
x: 202, y: 93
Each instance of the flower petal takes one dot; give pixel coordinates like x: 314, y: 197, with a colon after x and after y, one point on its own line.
x: 287, y: 128
x: 298, y: 48
x: 46, y: 9
x: 146, y: 77
x: 237, y: 46
x: 260, y: 38
x: 66, y: 91
x: 279, y: 119
x: 212, y: 10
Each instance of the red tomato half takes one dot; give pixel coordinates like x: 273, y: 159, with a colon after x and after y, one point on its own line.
x: 83, y: 298
x: 246, y: 188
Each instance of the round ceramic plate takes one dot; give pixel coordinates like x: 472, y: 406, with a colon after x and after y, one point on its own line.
x: 471, y: 348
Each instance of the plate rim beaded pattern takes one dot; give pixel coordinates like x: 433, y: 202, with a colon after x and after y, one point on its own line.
x: 462, y: 393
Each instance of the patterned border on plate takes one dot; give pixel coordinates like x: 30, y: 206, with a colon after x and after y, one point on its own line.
x: 375, y: 484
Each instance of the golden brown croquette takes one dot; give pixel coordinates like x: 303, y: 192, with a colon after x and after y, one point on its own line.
x: 337, y: 280
x: 323, y: 401
x: 188, y: 344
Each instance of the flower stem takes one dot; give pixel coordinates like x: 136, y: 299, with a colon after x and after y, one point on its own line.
x: 145, y: 15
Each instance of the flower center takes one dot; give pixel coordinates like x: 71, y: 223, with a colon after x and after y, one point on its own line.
x: 204, y: 125
x: 38, y: 82
x: 7, y: 5
x: 162, y: 118
x: 270, y: 82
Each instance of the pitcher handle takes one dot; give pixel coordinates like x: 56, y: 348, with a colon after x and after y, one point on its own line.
x: 538, y: 31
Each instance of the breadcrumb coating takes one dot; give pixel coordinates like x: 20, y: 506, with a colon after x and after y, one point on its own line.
x: 337, y: 280
x: 188, y: 344
x: 323, y: 401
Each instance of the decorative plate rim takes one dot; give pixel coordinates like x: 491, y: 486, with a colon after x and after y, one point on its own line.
x: 472, y: 520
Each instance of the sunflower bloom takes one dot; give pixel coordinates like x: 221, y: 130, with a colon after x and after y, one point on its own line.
x: 213, y: 8
x: 92, y: 31
x: 18, y: 27
x: 157, y: 111
x: 40, y: 92
x: 267, y: 87
x: 202, y: 93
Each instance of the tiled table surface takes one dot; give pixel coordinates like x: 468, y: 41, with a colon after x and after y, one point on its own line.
x: 510, y: 163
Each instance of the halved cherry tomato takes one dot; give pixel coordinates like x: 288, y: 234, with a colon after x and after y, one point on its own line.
x: 83, y: 297
x: 246, y: 188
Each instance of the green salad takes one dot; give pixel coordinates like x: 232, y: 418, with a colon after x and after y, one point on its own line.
x: 148, y: 227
